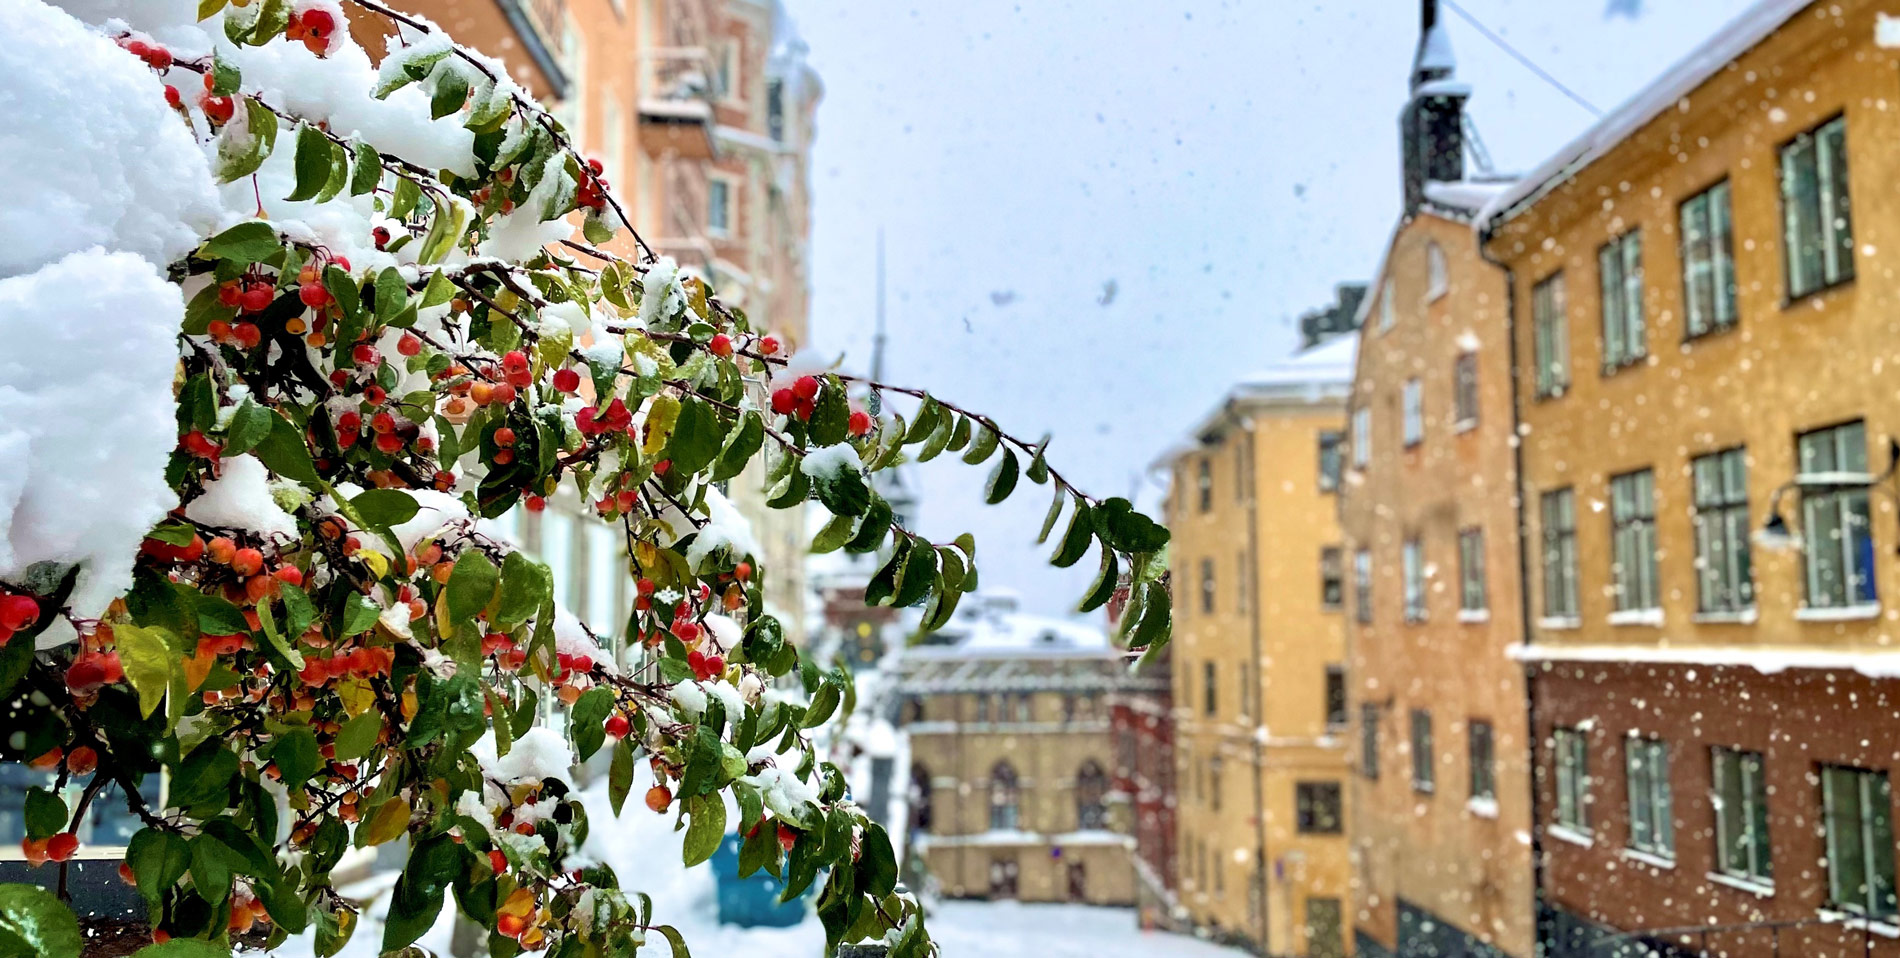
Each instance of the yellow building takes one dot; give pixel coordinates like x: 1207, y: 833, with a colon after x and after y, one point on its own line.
x: 1013, y: 778
x: 1440, y: 810
x: 1705, y: 332
x: 1259, y: 655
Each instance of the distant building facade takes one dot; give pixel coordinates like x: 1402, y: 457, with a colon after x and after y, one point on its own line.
x: 1440, y: 812
x: 1142, y: 722
x: 1012, y: 758
x: 1258, y: 660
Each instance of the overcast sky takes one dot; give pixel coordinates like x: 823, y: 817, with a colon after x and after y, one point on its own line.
x: 1222, y: 164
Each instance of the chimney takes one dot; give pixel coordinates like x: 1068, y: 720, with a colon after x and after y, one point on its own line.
x: 1431, y: 128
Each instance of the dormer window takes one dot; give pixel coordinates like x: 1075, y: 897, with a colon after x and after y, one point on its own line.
x: 1437, y: 283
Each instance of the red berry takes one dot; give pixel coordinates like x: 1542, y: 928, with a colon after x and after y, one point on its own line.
x: 159, y: 58
x: 389, y: 443
x: 313, y: 295
x: 659, y: 797
x: 230, y: 293
x: 536, y: 504
x: 783, y: 401
x: 289, y: 575
x: 662, y: 467
x: 742, y: 571
x: 804, y: 409
x: 172, y: 99
x: 786, y: 837
x: 860, y: 422
x: 596, y: 166
x: 617, y: 726
x: 82, y: 760
x: 497, y: 861
x: 17, y: 612
x: 504, y: 437
x: 247, y: 335
x: 217, y: 109
x: 61, y: 847
x: 721, y: 345
x: 318, y: 23
x: 196, y: 443
x: 514, y: 361
x: 768, y: 346
x: 381, y: 235
x: 806, y: 387
x: 382, y: 422
x: 644, y: 586
x: 349, y: 422
x: 374, y: 394
x: 503, y: 394
x: 409, y: 345
x: 567, y: 380
x: 138, y: 48
x: 257, y: 297
x: 247, y: 562
x: 364, y: 355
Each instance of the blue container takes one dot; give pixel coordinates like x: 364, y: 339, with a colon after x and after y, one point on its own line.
x: 751, y: 902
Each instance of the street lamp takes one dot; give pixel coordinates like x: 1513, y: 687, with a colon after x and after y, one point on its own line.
x: 1776, y: 535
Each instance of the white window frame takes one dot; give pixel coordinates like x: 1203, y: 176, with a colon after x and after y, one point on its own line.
x: 1413, y: 402
x: 1361, y: 436
x: 1412, y: 572
x: 1557, y: 514
x: 1437, y: 274
x: 718, y: 184
x: 1871, y: 821
x: 1835, y: 520
x: 1633, y: 571
x: 1741, y: 830
x: 1625, y: 330
x: 1570, y: 748
x: 1472, y: 594
x: 1823, y: 220
x: 1550, y: 331
x: 1707, y: 231
x: 1388, y: 314
x: 1724, y: 578
x: 1651, y: 801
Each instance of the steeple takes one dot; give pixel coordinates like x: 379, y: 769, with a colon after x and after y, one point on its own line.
x: 1431, y: 128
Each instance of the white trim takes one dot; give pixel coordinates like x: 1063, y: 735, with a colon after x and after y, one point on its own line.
x: 1560, y: 622
x: 1873, y: 663
x: 1474, y: 615
x: 1651, y: 859
x: 1851, y: 920
x: 1565, y: 833
x: 1839, y: 613
x: 1482, y: 807
x: 1464, y: 425
x: 1748, y: 616
x: 1758, y: 889
x: 1651, y: 617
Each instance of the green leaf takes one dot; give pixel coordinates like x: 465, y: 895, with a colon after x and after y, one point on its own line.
x: 823, y: 703
x: 240, y: 153
x: 1152, y: 630
x: 313, y: 163
x: 417, y: 898
x: 525, y: 587
x: 471, y: 585
x: 741, y: 445
x: 926, y: 422
x: 1105, y: 582
x: 349, y: 298
x: 1038, y: 471
x: 1127, y: 530
x: 384, y: 508
x: 184, y: 947
x: 843, y: 490
x: 445, y: 228
x: 392, y: 293
x: 831, y: 418
x: 439, y: 290
x: 339, y: 173
x: 204, y: 309
x: 451, y: 91
x: 939, y: 439
x: 208, y: 7
x: 299, y: 611
x: 883, y: 584
x: 878, y: 863
x: 674, y: 940
x: 296, y: 756
x: 271, y: 21
x: 250, y: 425
x: 981, y: 446
x: 212, y: 863
x: 696, y: 437
x: 359, y: 615
x: 706, y: 825
x: 915, y: 578
x: 871, y: 532
x: 149, y: 663
x: 158, y: 858
x: 284, y: 452
x: 1075, y: 542
x: 620, y: 775
x: 1002, y: 479
x: 404, y: 201
x: 358, y: 736
x: 249, y: 242
x: 46, y: 813
x: 366, y: 170
x: 586, y: 718
x: 960, y: 437
x: 35, y: 918
x: 832, y: 537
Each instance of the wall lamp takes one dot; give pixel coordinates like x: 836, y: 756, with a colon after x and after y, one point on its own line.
x: 1776, y: 535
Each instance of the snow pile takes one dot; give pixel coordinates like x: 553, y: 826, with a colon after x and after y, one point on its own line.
x: 240, y: 498
x: 831, y: 461
x: 725, y: 527
x: 108, y: 162
x: 541, y: 753
x: 570, y: 638
x: 86, y: 421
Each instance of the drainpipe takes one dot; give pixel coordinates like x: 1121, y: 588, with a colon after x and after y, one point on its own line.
x: 1523, y: 584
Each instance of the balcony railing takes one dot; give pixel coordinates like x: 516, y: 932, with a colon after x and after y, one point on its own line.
x: 683, y: 223
x: 676, y: 102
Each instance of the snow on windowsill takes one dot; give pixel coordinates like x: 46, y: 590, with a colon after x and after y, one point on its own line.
x: 1482, y: 807
x: 1742, y: 617
x: 1850, y: 920
x: 1651, y: 617
x: 1843, y: 613
x: 1758, y: 889
x: 1886, y: 31
x: 1560, y: 622
x: 1651, y: 859
x: 1564, y: 833
x: 1474, y: 615
x: 1464, y: 426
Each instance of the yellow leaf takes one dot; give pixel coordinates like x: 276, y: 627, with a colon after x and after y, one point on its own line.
x: 377, y: 562
x: 444, y: 623
x: 356, y: 695
x: 387, y: 822
x: 197, y: 669
x: 147, y: 656
x: 662, y: 415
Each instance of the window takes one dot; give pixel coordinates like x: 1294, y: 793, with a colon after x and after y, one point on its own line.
x: 1708, y: 261
x: 1620, y: 267
x: 1834, y: 519
x: 1240, y: 471
x: 1369, y: 740
x: 1022, y: 706
x: 1240, y: 583
x: 1332, y: 577
x: 1209, y: 691
x: 1205, y: 483
x: 1550, y: 337
x: 1817, y: 230
x: 1386, y: 315
x: 1858, y: 807
x: 1741, y: 815
x: 1005, y: 798
x: 983, y: 707
x: 1091, y: 797
x: 1330, y: 459
x: 1471, y: 571
x: 1646, y: 765
x: 1422, y: 757
x: 556, y: 532
x: 1413, y: 566
x: 1316, y: 807
x: 1559, y: 512
x: 605, y: 571
x: 1213, y: 783
x: 718, y: 206
x: 1633, y: 541
x: 1481, y: 744
x: 1362, y: 585
x: 1335, y: 697
x: 1437, y: 283
x: 1464, y: 391
x: 1414, y: 422
x: 1573, y: 779
x: 1361, y: 436
x: 1325, y: 928
x: 1723, y: 579
x: 1207, y: 586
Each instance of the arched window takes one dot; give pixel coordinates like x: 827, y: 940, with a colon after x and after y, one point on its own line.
x: 1005, y: 798
x: 919, y: 800
x: 1437, y: 280
x: 1091, y: 792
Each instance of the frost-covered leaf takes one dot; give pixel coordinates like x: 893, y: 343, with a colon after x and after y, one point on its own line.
x: 33, y: 919
x: 243, y: 146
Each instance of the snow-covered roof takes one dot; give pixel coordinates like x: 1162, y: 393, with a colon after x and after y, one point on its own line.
x: 1318, y: 374
x: 1434, y: 51
x: 1468, y: 196
x: 1445, y: 87
x: 1736, y: 38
